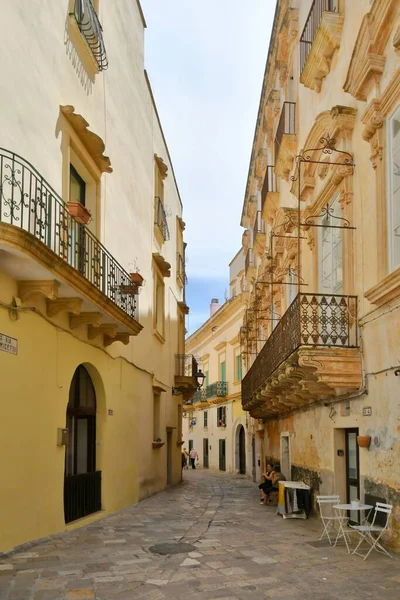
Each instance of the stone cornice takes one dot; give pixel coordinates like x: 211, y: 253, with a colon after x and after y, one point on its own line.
x: 23, y: 241
x: 220, y: 346
x: 386, y: 290
x: 368, y: 59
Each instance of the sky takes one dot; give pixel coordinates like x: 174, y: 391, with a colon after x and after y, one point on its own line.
x: 206, y: 62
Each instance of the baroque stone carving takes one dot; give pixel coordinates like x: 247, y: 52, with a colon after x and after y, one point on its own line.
x: 48, y: 289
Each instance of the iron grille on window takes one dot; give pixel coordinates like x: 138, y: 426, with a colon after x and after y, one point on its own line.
x: 286, y: 125
x: 91, y: 29
x: 185, y: 365
x: 313, y: 21
x: 181, y: 269
x: 311, y: 320
x: 28, y: 202
x: 161, y: 219
x: 270, y: 183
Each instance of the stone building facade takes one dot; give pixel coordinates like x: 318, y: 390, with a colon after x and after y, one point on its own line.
x: 321, y: 337
x: 214, y: 422
x: 92, y: 272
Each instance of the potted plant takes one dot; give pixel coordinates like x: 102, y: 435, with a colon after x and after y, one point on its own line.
x: 79, y: 212
x: 364, y: 441
x: 137, y: 278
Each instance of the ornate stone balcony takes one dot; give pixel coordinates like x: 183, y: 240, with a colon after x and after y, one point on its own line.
x: 312, y: 354
x: 269, y: 195
x: 259, y: 234
x: 320, y: 38
x: 285, y: 140
x: 186, y: 369
x: 53, y: 255
x: 250, y: 264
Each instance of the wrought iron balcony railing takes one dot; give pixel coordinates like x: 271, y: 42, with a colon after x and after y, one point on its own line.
x: 91, y: 29
x: 185, y: 365
x: 313, y: 21
x: 199, y: 396
x: 219, y: 389
x: 161, y: 219
x: 286, y: 125
x: 311, y: 320
x: 270, y: 183
x: 259, y: 225
x: 249, y: 260
x: 28, y: 202
x: 180, y: 268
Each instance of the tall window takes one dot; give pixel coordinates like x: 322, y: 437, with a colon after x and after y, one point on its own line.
x: 158, y: 316
x: 238, y: 367
x: 221, y: 416
x: 394, y: 197
x: 156, y: 416
x: 77, y: 187
x: 205, y: 418
x: 292, y: 287
x: 330, y: 252
x: 222, y: 371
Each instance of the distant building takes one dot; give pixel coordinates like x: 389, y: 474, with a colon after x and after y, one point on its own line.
x: 214, y: 422
x: 321, y: 338
x: 90, y: 215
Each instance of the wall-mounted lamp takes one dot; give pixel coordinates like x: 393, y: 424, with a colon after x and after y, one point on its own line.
x: 177, y: 391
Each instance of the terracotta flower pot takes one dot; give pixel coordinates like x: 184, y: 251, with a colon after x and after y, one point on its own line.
x: 137, y: 279
x: 364, y: 441
x: 80, y: 213
x: 129, y: 289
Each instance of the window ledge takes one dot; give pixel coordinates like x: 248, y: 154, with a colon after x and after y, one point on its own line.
x: 326, y: 41
x: 386, y: 290
x: 159, y: 336
x: 158, y: 444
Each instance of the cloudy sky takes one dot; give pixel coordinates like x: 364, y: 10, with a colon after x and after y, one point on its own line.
x: 206, y: 61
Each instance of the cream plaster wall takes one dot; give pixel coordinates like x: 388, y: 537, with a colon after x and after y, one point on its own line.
x: 42, y: 71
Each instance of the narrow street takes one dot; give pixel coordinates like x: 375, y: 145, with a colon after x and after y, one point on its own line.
x: 237, y: 550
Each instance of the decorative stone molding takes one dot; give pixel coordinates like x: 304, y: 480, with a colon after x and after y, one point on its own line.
x: 162, y: 264
x: 308, y: 375
x: 92, y: 142
x: 183, y: 307
x: 86, y: 318
x: 396, y: 39
x: 326, y: 41
x: 343, y: 122
x: 109, y: 329
x: 120, y: 337
x: 71, y: 305
x: 368, y: 61
x: 252, y: 206
x: 286, y: 155
x: 271, y: 111
x: 387, y: 290
x: 270, y: 207
x: 48, y: 289
x: 260, y: 164
x: 162, y: 167
x: 287, y: 40
x: 220, y: 346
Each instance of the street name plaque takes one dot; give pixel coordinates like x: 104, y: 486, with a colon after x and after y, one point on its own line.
x: 8, y: 344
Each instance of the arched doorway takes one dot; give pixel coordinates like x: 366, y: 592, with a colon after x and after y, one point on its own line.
x: 82, y: 483
x: 241, y: 437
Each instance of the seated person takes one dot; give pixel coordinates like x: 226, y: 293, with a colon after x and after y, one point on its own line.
x: 267, y: 483
x: 276, y: 477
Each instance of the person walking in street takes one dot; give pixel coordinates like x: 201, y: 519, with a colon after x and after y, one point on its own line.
x: 193, y: 457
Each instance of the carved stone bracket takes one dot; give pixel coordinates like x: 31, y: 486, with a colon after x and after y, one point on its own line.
x: 287, y: 39
x: 162, y: 264
x: 373, y: 120
x: 109, y: 329
x: 162, y: 167
x: 71, y: 305
x: 326, y: 41
x: 86, y: 318
x: 120, y: 337
x: 46, y: 288
x: 286, y: 154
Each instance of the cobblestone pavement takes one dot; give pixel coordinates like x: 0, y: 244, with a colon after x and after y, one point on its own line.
x: 241, y: 550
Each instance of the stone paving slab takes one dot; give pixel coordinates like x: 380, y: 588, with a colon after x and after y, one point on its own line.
x: 241, y: 550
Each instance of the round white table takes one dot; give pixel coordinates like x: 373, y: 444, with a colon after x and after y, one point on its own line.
x: 342, y: 510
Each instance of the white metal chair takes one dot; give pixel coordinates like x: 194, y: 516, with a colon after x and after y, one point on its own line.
x: 328, y: 520
x: 366, y: 531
